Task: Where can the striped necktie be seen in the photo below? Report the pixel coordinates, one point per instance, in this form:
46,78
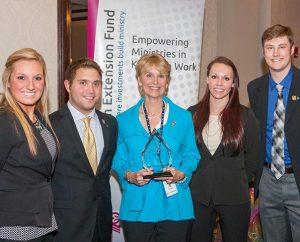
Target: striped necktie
277,152
90,144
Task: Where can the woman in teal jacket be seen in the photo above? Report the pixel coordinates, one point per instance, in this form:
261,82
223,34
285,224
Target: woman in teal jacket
155,209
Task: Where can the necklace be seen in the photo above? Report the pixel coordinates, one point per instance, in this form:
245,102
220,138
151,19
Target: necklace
151,115
38,125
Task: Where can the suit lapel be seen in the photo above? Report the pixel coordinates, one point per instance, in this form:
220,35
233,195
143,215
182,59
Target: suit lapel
294,96
71,131
262,100
106,140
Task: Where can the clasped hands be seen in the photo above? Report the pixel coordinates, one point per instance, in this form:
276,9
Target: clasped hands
137,177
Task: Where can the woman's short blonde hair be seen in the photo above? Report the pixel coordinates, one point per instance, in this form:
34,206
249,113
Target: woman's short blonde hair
155,60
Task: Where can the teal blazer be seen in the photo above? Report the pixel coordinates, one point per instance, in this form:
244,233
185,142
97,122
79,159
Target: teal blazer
149,203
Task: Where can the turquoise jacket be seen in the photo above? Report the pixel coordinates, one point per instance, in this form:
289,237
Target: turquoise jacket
149,203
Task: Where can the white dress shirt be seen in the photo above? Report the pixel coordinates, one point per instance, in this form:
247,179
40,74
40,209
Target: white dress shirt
95,126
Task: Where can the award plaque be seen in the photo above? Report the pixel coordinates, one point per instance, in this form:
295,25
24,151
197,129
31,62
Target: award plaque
157,155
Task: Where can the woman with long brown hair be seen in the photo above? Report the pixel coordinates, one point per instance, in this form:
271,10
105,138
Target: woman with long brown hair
228,140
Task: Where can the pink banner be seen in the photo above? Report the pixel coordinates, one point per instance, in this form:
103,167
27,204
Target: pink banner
92,23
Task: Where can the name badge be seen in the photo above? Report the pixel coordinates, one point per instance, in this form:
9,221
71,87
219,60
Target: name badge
170,189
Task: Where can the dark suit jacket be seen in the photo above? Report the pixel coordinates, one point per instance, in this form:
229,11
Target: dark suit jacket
25,190
222,178
258,91
80,197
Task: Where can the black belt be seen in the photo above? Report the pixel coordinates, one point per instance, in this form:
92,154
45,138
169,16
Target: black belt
287,168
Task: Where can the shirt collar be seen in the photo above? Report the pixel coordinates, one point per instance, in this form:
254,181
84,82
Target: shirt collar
77,115
286,81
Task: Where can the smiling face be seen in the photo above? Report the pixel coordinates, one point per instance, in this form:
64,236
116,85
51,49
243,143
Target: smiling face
278,54
85,90
220,81
153,83
26,83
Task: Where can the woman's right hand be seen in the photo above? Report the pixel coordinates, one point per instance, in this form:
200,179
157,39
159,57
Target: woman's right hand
137,177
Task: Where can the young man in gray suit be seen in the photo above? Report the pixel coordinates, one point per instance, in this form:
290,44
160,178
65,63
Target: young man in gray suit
81,187
275,99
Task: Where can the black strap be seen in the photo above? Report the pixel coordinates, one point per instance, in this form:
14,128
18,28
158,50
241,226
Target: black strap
161,123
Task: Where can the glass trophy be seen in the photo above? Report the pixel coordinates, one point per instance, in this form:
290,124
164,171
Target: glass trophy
157,155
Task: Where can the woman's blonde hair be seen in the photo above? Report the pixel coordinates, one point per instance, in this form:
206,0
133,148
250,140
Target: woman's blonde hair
155,60
152,60
9,103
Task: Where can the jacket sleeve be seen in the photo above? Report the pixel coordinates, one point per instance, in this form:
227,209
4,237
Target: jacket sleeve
252,145
7,138
190,154
120,163
250,94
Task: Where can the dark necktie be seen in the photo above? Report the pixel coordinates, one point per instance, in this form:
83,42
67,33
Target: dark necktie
277,165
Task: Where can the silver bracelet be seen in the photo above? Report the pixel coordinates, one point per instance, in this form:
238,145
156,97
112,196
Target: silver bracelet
182,180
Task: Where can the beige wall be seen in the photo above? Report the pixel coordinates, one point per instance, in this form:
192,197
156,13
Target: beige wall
287,13
79,44
233,28
209,40
31,23
238,23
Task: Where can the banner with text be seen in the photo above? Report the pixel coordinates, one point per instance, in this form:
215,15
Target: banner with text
127,29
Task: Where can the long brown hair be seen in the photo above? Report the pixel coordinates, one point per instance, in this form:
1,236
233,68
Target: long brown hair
231,122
